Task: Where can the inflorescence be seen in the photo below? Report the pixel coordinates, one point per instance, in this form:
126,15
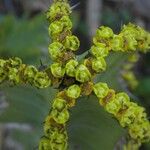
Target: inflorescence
77,77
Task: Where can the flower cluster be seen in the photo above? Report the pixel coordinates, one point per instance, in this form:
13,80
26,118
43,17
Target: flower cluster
63,44
55,122
127,72
16,72
128,113
75,79
131,38
80,75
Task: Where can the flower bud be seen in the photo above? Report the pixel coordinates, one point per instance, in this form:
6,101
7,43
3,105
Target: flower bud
117,43
2,71
130,44
100,50
13,75
58,9
29,73
60,117
55,28
15,62
44,144
59,104
57,70
72,43
66,22
101,90
71,67
134,113
59,146
99,64
55,50
119,102
104,32
83,74
42,80
73,91
130,79
59,137
140,131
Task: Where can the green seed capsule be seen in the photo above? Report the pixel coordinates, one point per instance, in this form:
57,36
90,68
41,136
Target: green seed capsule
101,90
74,91
72,43
55,50
42,80
83,74
100,50
59,104
71,67
57,70
99,64
60,117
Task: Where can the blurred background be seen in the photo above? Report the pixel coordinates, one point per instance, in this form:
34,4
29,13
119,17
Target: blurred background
24,33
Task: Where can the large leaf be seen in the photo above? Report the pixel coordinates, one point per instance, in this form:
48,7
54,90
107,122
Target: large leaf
23,38
90,127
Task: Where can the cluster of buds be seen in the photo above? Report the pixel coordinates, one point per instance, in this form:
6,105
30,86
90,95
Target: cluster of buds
127,72
75,79
14,71
128,113
79,76
55,123
131,38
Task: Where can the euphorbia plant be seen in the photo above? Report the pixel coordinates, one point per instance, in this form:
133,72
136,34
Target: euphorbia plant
75,78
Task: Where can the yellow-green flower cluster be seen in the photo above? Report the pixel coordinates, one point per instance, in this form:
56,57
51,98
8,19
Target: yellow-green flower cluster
16,72
11,70
76,78
55,127
31,75
127,72
100,48
128,113
131,38
63,42
55,123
